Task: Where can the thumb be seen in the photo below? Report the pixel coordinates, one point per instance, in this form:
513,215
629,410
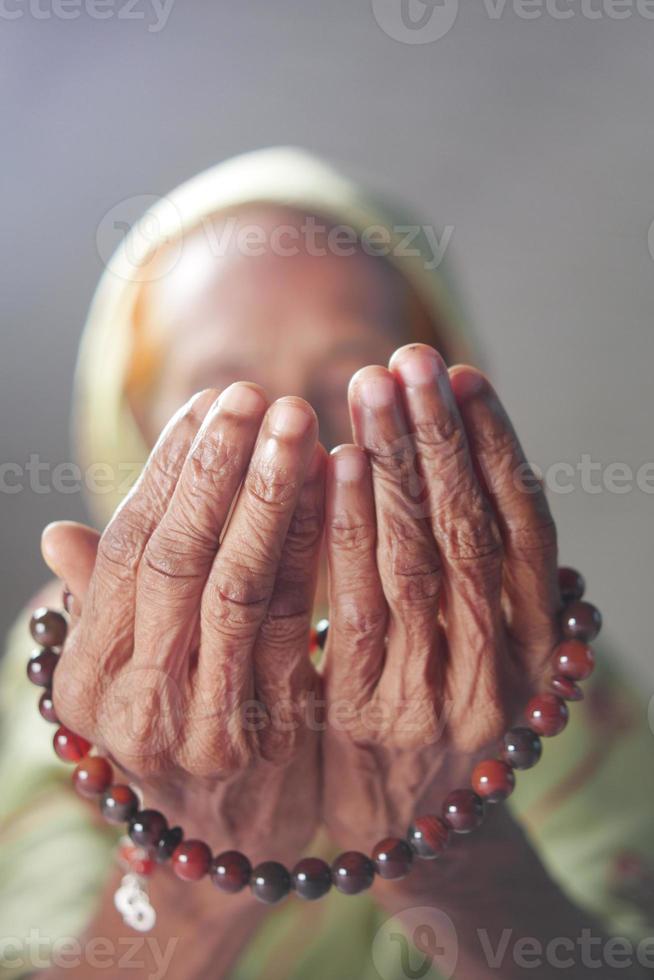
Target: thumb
69,550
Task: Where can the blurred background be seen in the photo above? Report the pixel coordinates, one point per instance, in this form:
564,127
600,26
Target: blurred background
523,133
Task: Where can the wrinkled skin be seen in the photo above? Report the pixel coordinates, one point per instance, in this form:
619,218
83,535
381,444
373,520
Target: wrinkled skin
187,662
434,543
176,634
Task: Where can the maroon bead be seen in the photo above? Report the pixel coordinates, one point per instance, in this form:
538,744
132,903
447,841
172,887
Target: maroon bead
428,836
392,857
493,780
48,627
92,776
47,708
574,660
571,584
41,667
581,621
566,689
312,878
463,811
547,714
119,804
69,746
352,872
270,882
191,860
521,748
147,827
167,844
230,871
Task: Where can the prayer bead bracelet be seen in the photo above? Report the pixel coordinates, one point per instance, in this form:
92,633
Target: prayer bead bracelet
151,841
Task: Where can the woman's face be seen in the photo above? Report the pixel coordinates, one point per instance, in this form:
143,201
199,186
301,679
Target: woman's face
298,324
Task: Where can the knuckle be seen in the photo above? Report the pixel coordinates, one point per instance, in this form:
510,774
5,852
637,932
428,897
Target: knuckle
285,624
357,622
346,535
237,602
529,539
304,532
121,544
271,487
415,571
469,532
212,462
174,553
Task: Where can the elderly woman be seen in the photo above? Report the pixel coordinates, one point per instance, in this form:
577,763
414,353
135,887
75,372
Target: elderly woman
266,312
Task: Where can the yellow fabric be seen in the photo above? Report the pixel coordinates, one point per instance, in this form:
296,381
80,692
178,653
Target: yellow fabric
105,430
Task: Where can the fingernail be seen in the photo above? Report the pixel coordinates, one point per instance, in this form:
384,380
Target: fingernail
467,383
241,399
419,366
349,465
376,390
288,419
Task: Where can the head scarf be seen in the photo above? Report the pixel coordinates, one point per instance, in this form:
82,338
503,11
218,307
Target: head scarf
105,430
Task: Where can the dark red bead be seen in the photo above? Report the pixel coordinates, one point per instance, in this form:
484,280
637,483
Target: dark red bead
312,878
574,659
147,827
521,748
191,860
581,621
41,667
48,627
69,746
230,871
119,804
167,844
270,882
547,714
392,857
493,780
463,811
92,776
47,708
571,584
428,836
566,689
352,872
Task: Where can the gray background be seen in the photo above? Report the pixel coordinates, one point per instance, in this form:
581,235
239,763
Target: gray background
534,139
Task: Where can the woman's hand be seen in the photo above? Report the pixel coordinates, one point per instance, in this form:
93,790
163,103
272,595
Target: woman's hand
187,662
443,592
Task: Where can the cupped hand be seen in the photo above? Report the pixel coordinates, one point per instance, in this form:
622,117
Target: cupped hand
187,657
443,592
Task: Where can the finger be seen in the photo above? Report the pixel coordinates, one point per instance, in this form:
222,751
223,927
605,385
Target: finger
104,640
523,514
240,583
69,550
284,677
180,552
461,520
408,562
358,612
